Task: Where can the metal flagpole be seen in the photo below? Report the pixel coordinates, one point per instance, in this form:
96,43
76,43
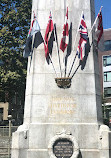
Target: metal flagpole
32,50
65,53
64,8
74,45
64,12
55,35
52,64
90,46
93,25
51,60
72,64
65,69
95,20
75,71
79,61
33,37
77,30
49,54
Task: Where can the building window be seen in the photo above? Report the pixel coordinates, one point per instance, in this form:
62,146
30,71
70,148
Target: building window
107,45
107,92
106,60
107,76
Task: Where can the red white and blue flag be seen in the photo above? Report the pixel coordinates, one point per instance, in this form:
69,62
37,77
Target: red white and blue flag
83,38
48,33
65,38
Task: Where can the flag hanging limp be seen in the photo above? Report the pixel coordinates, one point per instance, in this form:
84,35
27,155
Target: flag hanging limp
98,31
83,38
65,38
34,38
49,36
69,46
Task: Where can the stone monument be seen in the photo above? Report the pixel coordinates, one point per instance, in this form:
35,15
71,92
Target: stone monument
62,122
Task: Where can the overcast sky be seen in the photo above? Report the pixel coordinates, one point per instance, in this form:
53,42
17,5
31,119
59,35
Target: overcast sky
106,11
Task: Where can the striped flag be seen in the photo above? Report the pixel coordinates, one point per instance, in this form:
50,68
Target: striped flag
65,38
34,38
83,38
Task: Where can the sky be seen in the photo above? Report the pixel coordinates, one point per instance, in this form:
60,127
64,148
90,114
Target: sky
106,12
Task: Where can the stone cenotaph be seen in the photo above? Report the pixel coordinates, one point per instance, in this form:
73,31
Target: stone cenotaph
62,122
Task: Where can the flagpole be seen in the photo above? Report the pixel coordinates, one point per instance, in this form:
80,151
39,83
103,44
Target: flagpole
55,35
64,8
65,33
48,53
72,64
65,68
75,71
64,63
33,37
51,60
95,21
32,50
69,49
52,64
94,24
74,45
77,30
65,71
68,30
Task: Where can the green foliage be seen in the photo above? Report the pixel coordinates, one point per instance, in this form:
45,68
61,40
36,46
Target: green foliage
14,25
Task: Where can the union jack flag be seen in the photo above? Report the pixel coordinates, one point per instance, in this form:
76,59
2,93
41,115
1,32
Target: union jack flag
83,38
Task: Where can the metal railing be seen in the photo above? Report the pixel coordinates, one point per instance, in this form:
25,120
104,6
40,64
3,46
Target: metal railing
5,140
4,130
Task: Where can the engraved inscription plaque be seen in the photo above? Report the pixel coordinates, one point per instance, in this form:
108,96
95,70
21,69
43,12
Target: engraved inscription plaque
62,105
63,148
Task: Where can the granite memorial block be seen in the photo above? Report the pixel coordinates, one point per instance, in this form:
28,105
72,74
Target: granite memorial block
62,116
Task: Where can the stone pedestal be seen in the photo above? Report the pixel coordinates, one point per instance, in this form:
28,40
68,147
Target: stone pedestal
52,114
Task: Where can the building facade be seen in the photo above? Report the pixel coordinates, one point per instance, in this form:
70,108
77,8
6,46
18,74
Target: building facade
105,72
3,112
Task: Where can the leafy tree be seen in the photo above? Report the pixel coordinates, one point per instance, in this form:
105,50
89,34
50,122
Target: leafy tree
14,24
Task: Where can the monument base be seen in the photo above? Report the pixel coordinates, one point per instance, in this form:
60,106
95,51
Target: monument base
89,141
